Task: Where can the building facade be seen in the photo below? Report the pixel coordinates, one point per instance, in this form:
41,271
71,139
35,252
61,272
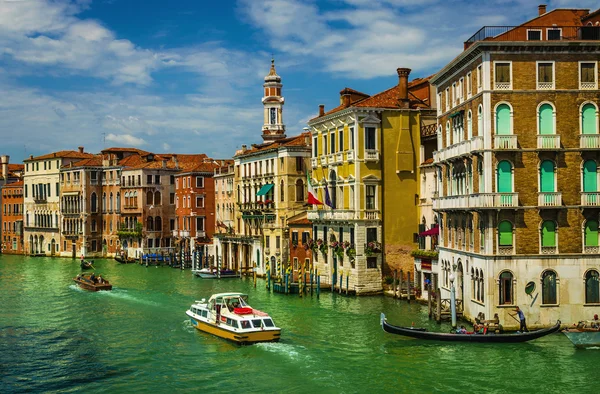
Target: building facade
42,214
365,169
12,218
518,153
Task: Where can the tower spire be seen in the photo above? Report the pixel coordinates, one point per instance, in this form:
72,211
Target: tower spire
273,127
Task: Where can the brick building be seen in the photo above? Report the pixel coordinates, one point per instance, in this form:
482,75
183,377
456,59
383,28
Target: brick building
12,218
517,164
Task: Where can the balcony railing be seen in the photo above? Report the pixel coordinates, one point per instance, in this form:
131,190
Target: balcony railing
545,85
350,156
588,85
591,249
546,199
548,33
371,155
548,141
461,149
339,214
589,141
477,201
339,158
549,250
505,141
506,249
314,162
323,160
371,214
590,199
502,85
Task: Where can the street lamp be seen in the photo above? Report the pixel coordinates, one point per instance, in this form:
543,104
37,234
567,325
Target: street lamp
452,300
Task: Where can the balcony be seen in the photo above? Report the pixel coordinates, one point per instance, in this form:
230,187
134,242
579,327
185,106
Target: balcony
590,199
591,249
339,214
40,199
339,158
323,160
549,250
200,234
508,142
331,158
548,33
461,149
546,199
545,85
506,250
502,86
548,141
588,85
371,214
314,162
350,156
477,201
371,155
589,141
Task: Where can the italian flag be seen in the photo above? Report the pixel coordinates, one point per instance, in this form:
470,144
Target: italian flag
312,196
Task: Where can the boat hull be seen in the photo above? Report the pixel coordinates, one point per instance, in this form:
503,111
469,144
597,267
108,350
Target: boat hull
93,286
583,339
477,338
237,337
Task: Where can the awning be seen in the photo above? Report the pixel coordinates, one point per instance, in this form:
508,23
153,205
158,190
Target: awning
456,114
265,189
434,231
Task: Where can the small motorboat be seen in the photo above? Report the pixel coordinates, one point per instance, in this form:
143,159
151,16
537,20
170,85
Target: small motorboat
469,337
87,265
228,316
213,273
585,334
92,282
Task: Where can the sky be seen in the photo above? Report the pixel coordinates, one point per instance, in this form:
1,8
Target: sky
185,76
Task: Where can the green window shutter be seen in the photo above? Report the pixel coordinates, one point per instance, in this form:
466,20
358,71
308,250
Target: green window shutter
591,233
505,233
548,233
547,177
590,179
503,120
504,177
588,120
546,122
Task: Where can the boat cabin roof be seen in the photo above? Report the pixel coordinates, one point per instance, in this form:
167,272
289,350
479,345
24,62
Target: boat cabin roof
227,295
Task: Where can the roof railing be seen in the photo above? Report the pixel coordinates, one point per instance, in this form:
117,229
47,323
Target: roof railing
535,33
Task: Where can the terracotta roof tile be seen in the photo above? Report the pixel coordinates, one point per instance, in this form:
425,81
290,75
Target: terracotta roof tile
95,161
299,140
66,154
13,184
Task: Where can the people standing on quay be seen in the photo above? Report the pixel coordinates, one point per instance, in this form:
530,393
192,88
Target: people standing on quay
523,326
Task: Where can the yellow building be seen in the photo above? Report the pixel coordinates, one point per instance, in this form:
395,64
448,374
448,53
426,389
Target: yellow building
365,168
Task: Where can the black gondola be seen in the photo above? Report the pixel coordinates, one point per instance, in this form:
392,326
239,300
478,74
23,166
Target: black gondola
121,259
480,338
86,265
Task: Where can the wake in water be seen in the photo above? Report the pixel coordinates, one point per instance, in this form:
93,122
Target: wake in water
295,353
124,295
187,326
76,288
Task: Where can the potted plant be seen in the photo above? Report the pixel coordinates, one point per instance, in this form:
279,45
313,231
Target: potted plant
351,251
322,247
372,248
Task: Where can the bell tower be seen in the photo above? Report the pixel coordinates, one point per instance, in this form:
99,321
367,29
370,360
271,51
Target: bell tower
273,127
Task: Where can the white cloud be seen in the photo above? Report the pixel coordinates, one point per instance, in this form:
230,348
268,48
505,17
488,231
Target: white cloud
125,140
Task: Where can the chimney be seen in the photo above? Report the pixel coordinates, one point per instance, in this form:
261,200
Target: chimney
321,109
164,164
4,159
542,9
403,86
80,149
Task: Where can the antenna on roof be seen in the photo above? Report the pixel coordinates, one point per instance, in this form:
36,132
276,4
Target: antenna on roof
103,140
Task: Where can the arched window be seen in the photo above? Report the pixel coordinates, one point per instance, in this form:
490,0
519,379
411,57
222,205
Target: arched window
469,125
281,191
591,233
480,120
549,291
135,199
94,203
149,198
546,119
548,234
592,290
472,283
150,223
158,223
478,285
480,174
118,202
503,120
589,119
504,177
590,179
448,131
157,198
299,190
547,177
505,294
333,188
110,202
505,233
104,202
482,296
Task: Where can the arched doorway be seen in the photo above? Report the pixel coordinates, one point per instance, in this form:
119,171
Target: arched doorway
52,247
460,281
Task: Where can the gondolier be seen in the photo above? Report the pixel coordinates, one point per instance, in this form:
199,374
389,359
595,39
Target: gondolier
523,326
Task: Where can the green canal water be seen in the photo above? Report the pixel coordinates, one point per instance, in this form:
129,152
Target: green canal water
55,337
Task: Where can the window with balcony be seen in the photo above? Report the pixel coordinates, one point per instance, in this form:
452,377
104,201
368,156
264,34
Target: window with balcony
370,142
592,288
370,196
588,73
506,293
591,235
548,236
590,183
545,75
549,288
503,75
505,234
503,123
547,177
546,120
589,120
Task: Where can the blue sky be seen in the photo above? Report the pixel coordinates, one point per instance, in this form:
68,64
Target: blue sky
186,76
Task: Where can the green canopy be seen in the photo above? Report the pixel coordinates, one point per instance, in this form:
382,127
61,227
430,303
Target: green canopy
265,189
